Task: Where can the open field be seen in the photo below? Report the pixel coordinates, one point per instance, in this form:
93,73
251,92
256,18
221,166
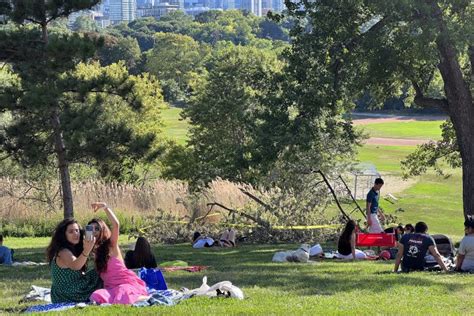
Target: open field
173,126
328,287
404,129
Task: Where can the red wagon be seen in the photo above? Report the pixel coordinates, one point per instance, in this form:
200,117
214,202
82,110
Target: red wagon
375,240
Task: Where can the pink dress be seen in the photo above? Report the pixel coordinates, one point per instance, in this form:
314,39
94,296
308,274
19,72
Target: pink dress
121,285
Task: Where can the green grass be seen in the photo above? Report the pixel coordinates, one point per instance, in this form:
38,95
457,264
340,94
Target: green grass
410,130
433,199
329,287
174,127
436,201
386,158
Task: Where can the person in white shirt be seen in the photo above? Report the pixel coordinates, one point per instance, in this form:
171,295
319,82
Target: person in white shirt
465,257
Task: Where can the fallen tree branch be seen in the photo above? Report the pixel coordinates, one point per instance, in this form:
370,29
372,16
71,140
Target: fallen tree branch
247,216
259,201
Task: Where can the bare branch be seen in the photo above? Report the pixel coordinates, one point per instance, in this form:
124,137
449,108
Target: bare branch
250,217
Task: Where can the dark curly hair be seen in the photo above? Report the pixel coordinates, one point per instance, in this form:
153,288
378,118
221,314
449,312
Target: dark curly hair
60,242
102,245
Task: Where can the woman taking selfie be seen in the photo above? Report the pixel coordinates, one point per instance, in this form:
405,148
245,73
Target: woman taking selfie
67,256
121,285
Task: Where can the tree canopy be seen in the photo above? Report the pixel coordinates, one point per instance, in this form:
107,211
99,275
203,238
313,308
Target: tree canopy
64,105
342,50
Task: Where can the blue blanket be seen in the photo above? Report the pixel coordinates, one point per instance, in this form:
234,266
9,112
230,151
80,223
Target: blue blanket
158,297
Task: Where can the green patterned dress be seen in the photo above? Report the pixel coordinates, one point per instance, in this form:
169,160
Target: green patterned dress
72,286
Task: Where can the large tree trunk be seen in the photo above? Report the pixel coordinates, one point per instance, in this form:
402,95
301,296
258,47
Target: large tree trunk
63,166
60,148
460,108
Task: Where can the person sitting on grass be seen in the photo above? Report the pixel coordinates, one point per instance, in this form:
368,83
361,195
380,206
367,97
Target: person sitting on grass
67,255
227,238
346,243
141,256
121,285
409,229
465,258
412,249
6,254
398,231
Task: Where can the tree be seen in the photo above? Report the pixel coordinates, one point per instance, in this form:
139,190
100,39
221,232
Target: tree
85,23
349,48
175,59
59,103
121,48
223,114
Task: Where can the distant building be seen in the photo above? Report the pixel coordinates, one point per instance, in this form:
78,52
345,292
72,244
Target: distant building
159,10
122,10
253,6
196,10
278,5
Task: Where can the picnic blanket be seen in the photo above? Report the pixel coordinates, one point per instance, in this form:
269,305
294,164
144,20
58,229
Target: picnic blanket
56,307
188,268
37,293
27,263
157,297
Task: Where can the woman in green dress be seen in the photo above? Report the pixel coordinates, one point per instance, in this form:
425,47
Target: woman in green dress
67,255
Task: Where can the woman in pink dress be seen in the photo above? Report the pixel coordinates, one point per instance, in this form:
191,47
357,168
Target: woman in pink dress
121,285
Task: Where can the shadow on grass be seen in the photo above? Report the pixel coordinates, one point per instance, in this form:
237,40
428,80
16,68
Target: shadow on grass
250,267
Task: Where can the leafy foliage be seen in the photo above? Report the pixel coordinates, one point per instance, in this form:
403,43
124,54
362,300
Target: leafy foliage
176,60
224,111
433,154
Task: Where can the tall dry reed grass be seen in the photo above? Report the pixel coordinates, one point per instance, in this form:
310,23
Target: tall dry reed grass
20,201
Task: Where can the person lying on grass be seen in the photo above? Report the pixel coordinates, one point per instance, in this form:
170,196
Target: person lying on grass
412,249
465,258
67,255
227,239
121,285
346,243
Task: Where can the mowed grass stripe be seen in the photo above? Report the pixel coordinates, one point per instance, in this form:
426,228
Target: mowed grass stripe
404,129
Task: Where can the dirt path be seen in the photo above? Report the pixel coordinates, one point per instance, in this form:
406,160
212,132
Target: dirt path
371,118
368,118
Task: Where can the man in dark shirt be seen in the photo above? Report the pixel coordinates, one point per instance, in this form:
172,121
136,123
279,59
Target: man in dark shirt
413,248
373,209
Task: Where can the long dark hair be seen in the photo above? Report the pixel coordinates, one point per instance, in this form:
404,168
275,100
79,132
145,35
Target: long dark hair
102,245
60,242
348,230
142,253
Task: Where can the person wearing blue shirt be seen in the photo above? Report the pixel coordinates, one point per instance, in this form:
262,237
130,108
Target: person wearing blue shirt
373,209
5,253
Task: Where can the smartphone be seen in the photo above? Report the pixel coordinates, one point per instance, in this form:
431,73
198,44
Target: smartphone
89,232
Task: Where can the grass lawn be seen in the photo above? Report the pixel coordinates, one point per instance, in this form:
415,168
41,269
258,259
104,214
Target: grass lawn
409,129
328,287
386,158
433,199
436,201
174,128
